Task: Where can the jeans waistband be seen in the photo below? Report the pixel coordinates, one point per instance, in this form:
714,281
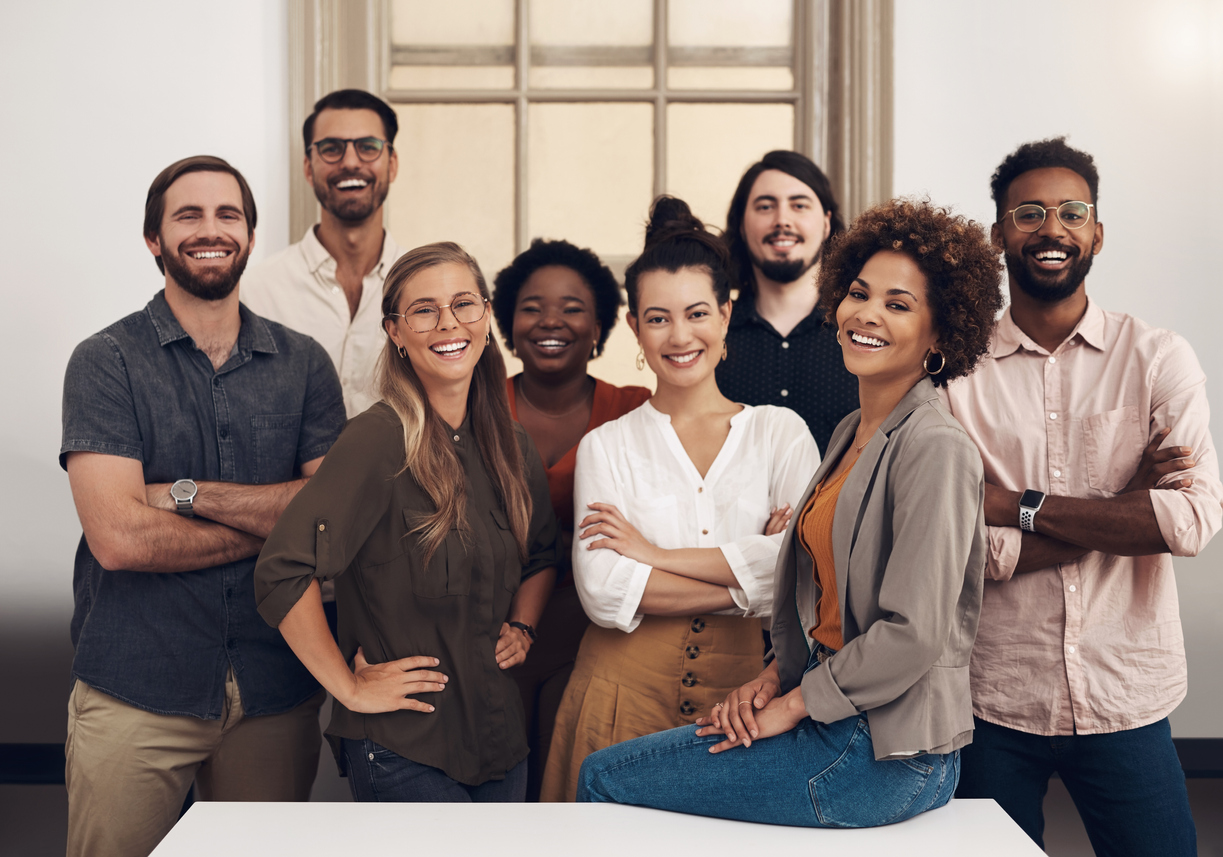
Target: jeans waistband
820,654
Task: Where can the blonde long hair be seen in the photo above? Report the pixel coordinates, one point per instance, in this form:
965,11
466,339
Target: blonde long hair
428,452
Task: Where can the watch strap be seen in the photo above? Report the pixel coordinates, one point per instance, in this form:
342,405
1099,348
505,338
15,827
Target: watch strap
525,628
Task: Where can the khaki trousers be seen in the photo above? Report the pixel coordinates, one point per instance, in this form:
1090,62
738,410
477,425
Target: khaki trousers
129,770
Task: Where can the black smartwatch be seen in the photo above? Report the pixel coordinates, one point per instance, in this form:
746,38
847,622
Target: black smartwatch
183,491
1029,505
525,628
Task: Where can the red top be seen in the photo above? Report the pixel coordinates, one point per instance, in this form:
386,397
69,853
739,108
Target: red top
610,403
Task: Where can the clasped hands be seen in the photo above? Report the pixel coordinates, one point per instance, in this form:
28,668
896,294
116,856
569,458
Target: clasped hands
753,711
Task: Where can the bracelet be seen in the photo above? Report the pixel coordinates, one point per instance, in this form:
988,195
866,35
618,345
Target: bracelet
525,628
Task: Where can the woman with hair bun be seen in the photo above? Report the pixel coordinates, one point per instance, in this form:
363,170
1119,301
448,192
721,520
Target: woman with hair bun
858,719
431,513
680,506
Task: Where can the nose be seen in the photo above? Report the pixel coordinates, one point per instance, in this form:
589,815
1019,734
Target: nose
1052,227
550,319
867,312
350,159
446,319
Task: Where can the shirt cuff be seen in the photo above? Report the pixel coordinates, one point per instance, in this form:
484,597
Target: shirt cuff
822,698
627,618
1005,544
1180,526
753,595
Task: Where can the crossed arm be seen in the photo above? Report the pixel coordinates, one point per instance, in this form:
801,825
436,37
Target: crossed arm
132,526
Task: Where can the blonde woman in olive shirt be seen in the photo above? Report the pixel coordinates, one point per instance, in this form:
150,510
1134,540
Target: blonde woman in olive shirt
431,513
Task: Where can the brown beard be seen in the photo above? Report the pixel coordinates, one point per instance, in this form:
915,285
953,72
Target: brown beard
211,285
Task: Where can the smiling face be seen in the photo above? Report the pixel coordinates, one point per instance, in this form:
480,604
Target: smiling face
448,354
555,329
1051,263
680,326
885,323
204,239
352,190
784,226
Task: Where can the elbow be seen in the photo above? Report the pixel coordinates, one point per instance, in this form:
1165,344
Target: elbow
115,553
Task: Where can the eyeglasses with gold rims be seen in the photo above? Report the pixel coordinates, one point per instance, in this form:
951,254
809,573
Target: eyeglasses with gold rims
466,307
332,149
1072,215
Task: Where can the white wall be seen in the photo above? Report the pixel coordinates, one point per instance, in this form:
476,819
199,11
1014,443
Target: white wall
1140,86
98,98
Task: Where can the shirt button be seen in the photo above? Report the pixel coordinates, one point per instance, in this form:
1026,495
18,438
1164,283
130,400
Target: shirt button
456,438
1070,649
700,489
1057,473
704,532
1073,588
785,345
335,290
785,392
693,652
1052,359
1052,416
224,433
322,527
371,757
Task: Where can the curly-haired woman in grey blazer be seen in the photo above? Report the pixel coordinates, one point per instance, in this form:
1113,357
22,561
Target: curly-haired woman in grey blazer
859,716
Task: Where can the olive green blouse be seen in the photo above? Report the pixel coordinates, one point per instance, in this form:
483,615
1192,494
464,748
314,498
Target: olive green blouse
350,522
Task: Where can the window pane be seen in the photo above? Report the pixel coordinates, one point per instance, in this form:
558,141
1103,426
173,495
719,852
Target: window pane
591,174
583,44
709,146
461,44
456,179
731,77
729,23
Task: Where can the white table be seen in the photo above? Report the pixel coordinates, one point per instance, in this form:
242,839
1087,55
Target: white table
214,829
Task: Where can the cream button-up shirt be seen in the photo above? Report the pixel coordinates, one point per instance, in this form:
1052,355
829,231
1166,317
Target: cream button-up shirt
1094,645
638,464
298,288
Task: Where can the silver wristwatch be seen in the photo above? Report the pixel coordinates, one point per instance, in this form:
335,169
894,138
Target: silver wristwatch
183,492
1029,504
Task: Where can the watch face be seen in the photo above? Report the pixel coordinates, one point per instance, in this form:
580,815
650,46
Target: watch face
183,489
1031,499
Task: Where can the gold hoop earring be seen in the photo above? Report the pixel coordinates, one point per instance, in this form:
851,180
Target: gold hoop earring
640,359
403,352
838,336
925,364
723,350
488,337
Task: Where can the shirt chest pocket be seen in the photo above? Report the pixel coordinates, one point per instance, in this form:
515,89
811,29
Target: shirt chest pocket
448,572
275,439
1113,442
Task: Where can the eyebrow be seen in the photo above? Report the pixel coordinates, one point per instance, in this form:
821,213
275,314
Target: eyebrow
199,209
890,291
771,198
686,309
1041,202
434,300
564,298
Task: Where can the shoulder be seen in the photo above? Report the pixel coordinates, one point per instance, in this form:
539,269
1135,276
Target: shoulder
620,434
289,342
132,331
778,423
930,434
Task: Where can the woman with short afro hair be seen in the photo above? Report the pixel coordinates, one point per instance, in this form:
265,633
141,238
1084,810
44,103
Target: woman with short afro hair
858,719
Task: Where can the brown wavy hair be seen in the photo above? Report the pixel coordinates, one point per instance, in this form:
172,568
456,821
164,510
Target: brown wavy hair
963,273
428,451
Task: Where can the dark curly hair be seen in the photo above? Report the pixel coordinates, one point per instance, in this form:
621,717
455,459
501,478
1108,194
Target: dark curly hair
597,276
963,273
675,238
1038,155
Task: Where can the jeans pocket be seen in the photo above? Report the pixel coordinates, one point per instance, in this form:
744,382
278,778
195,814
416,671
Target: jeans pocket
857,791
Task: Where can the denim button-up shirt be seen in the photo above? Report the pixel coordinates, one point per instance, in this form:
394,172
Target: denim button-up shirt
141,389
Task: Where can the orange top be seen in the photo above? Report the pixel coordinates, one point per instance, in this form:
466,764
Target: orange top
610,402
815,535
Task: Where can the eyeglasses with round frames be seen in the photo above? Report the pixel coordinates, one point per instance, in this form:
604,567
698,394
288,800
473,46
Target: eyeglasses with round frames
467,308
332,149
1072,215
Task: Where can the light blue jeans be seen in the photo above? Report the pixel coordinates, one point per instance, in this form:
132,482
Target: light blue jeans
815,775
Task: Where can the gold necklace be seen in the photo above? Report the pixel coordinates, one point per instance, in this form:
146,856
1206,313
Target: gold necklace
537,409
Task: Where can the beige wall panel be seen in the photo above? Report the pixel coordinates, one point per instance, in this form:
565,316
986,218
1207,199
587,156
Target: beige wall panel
733,23
709,146
454,22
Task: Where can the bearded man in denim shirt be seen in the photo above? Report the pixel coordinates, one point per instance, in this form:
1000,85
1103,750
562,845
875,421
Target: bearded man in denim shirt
188,427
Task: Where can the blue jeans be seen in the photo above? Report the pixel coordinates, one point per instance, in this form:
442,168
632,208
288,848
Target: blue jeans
1128,786
815,775
376,774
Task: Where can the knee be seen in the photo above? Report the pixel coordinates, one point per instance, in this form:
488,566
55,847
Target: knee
591,785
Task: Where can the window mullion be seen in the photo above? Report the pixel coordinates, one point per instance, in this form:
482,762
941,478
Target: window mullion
660,97
521,226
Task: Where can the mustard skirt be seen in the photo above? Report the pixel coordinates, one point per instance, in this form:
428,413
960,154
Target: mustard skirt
668,672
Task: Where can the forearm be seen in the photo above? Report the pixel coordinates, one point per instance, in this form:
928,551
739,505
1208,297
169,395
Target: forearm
251,508
704,564
1124,525
668,594
531,598
1040,551
305,630
157,541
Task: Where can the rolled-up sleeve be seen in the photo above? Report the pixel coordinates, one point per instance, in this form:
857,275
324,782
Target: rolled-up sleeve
325,525
1188,517
609,585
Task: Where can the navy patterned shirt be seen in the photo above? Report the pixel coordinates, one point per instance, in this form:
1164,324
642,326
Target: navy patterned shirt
141,389
803,371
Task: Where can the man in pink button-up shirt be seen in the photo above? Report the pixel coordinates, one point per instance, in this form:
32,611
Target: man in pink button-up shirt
1093,428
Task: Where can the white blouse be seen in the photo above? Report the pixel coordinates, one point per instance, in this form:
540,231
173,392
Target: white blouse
638,465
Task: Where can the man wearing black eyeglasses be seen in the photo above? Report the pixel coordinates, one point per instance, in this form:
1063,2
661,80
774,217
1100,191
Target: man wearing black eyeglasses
1094,430
329,284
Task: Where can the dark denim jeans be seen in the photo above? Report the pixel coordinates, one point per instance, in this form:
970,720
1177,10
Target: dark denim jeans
815,775
1128,786
379,775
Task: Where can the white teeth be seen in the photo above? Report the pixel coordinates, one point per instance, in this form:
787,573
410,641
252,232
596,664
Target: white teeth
683,358
449,347
1051,256
867,340
551,343
352,183
210,254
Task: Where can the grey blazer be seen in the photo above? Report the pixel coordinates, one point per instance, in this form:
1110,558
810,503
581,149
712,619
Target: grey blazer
910,545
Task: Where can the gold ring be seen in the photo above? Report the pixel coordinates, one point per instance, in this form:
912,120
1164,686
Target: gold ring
719,705
746,702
